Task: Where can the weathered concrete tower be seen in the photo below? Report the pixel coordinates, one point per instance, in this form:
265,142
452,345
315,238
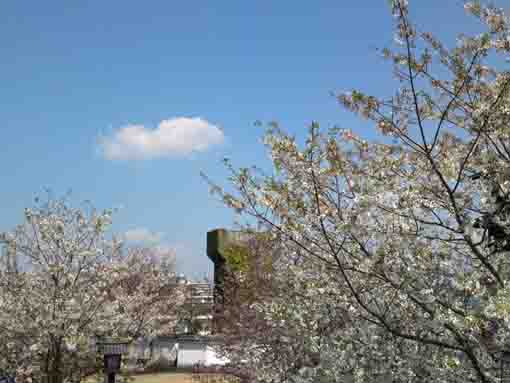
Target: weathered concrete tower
218,242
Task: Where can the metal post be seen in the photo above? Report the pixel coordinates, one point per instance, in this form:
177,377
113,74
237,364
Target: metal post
112,357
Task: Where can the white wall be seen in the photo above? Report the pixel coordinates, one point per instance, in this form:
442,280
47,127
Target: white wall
187,353
190,354
211,359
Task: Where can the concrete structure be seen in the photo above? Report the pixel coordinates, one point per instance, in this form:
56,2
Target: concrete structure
218,241
243,261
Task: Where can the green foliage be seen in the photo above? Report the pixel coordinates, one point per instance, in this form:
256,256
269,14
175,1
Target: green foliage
237,257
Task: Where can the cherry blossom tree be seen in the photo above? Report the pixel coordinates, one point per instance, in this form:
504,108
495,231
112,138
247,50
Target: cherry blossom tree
396,252
64,283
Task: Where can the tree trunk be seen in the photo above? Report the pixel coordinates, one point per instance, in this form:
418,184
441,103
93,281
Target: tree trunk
54,367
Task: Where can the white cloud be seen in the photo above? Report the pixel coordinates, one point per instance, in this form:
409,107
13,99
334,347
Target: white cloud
173,137
142,235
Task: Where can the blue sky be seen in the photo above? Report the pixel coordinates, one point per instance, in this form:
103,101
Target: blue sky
124,103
